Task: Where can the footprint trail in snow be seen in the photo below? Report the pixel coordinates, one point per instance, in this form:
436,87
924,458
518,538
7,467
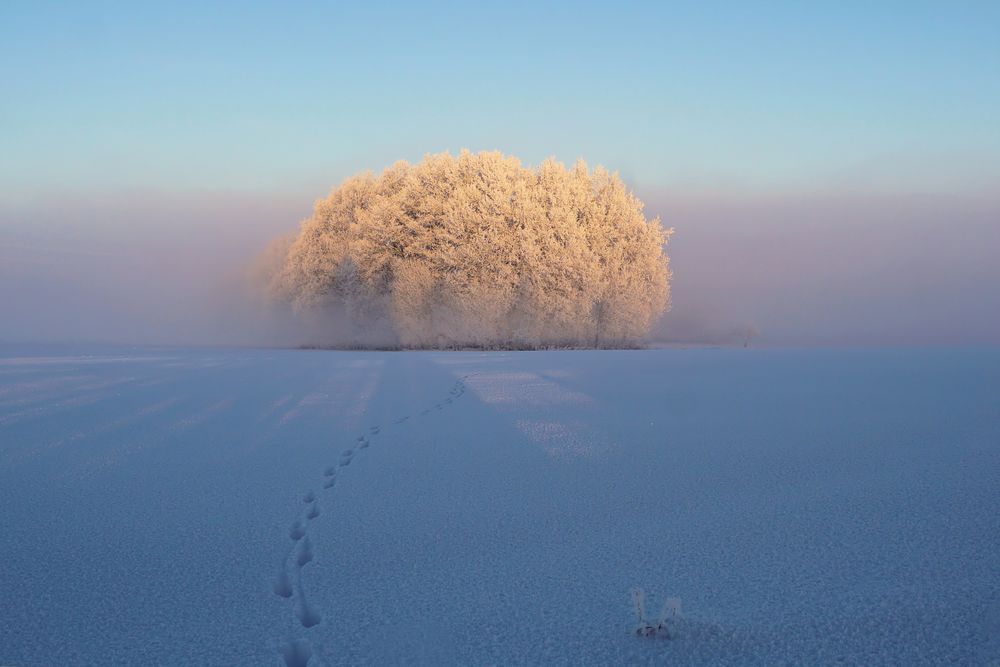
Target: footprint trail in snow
300,651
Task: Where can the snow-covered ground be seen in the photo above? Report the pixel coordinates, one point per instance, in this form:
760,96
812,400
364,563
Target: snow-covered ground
806,506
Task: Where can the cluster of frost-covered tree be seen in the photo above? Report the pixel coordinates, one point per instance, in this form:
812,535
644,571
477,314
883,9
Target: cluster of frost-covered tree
478,250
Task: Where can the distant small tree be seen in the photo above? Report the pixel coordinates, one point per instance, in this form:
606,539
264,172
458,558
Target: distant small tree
749,332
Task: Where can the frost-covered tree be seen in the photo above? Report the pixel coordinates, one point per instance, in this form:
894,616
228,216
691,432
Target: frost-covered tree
478,250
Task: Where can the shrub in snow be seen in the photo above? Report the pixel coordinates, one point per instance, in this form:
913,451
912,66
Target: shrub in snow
669,616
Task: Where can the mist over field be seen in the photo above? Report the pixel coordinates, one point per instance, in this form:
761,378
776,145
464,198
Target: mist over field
139,267
836,268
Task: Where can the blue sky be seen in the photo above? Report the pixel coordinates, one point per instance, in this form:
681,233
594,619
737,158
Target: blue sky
292,98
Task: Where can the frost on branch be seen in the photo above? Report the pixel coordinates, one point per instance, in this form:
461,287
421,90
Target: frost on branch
478,251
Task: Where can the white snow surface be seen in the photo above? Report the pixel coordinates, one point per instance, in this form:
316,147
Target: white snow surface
807,506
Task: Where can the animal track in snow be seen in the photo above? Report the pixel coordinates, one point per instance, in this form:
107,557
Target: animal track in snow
297,532
299,652
283,583
308,616
305,552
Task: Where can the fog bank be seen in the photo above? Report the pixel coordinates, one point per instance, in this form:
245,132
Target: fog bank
144,268
154,268
834,269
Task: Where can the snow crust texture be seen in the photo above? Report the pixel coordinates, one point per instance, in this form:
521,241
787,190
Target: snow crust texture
307,508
